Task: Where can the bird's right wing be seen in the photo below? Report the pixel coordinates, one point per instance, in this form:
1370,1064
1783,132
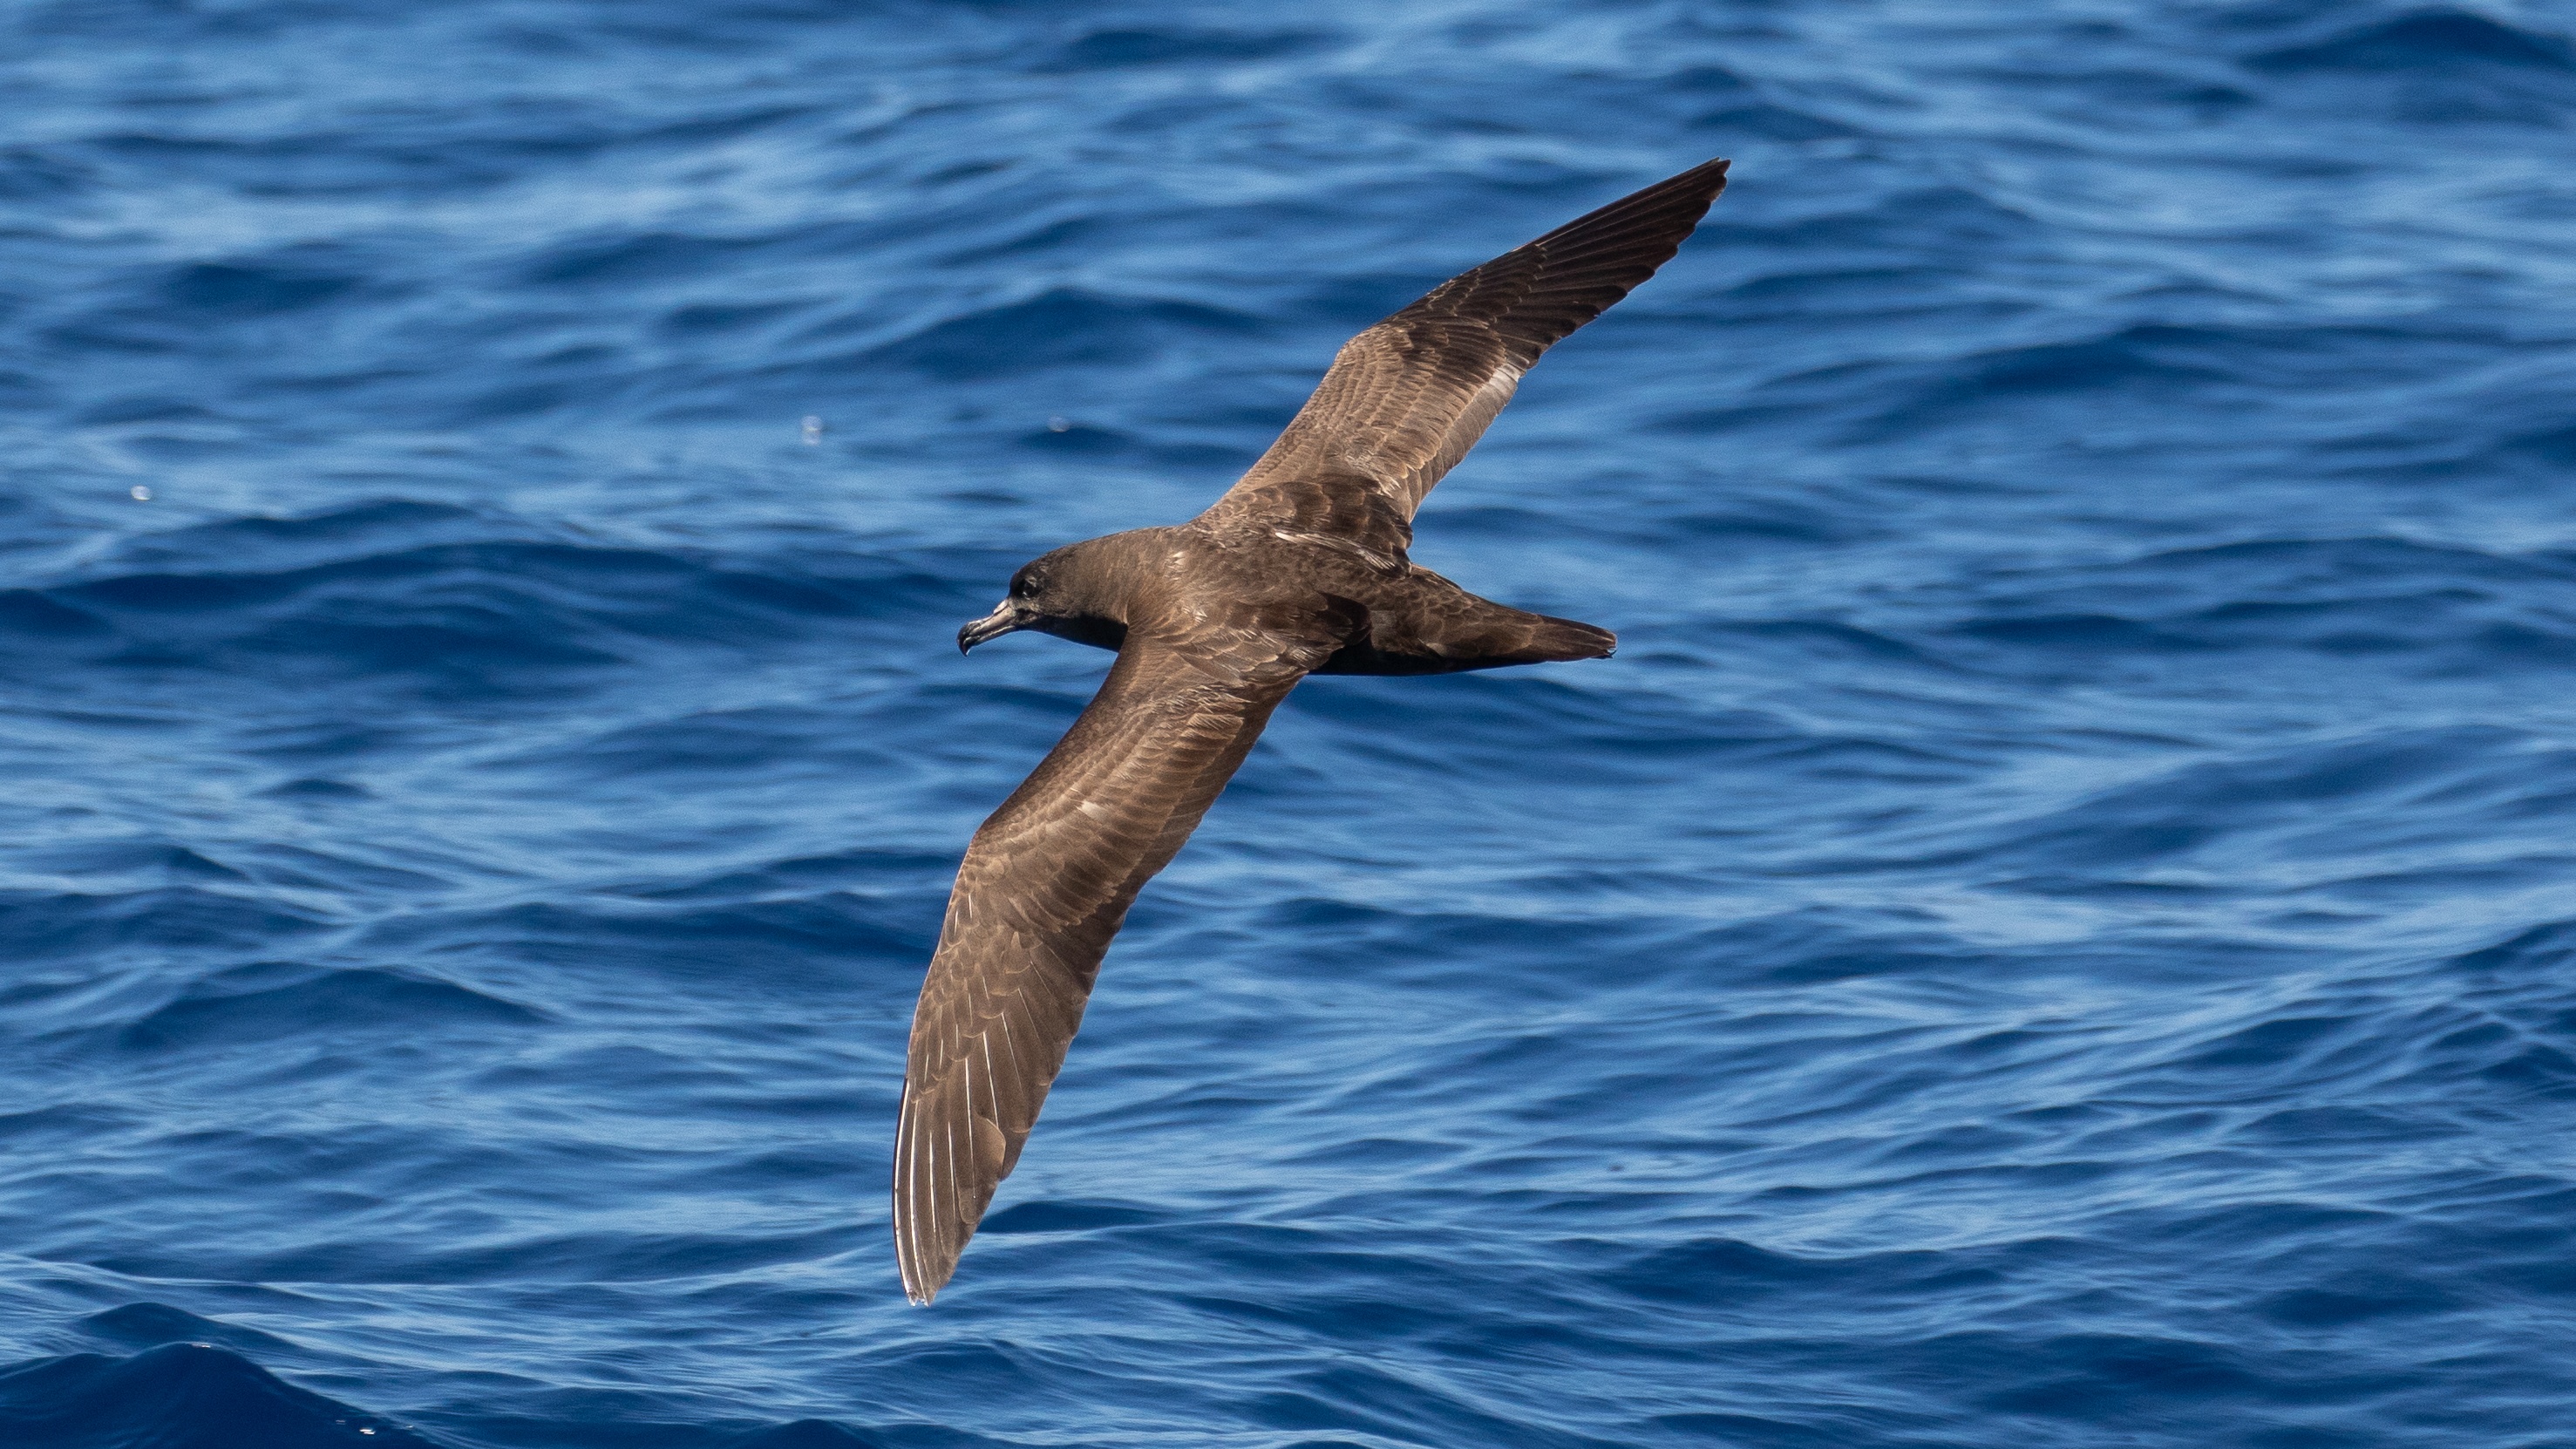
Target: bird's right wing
1406,399
1046,884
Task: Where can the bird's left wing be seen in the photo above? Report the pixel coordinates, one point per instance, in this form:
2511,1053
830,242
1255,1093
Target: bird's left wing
1406,399
1046,884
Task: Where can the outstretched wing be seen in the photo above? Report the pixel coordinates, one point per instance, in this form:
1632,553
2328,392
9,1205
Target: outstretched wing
1406,399
1045,885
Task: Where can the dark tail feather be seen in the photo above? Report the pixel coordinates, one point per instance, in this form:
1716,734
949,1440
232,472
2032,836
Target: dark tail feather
1554,639
1428,625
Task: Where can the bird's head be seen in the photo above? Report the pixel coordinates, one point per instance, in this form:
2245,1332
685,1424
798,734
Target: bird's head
1071,593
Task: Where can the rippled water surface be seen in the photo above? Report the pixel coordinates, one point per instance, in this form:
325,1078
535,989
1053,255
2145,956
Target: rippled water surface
2056,928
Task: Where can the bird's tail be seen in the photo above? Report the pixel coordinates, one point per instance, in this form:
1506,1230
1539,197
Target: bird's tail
1424,624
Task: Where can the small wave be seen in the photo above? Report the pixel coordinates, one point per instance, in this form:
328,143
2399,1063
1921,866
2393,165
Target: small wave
355,528
150,1325
261,288
1723,1270
136,860
2088,1374
179,1396
2540,948
1067,1217
2442,67
725,742
2442,607
1770,122
2427,40
826,934
40,173
1899,227
2160,361
487,615
1055,329
1126,49
806,875
2128,358
41,925
611,1256
249,1005
1814,636
625,259
801,1434
2336,799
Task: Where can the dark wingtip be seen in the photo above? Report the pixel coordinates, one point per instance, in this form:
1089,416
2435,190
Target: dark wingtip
1698,176
921,1280
1706,180
1711,176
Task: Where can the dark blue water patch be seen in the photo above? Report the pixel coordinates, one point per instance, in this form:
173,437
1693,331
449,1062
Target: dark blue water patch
1776,123
248,1005
706,318
34,173
823,935
482,616
1902,225
800,1434
2428,608
2437,67
801,875
1065,1217
182,1396
2425,40
1807,639
668,751
2231,815
1466,725
1057,329
354,529
2537,949
627,259
150,1325
1809,946
265,287
2163,365
583,1258
41,925
1120,49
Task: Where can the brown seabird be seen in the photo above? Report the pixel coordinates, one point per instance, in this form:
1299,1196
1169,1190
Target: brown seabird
1299,569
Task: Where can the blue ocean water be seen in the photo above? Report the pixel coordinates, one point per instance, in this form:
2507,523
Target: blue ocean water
2058,927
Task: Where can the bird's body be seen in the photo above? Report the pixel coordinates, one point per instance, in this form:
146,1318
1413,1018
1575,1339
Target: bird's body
1301,568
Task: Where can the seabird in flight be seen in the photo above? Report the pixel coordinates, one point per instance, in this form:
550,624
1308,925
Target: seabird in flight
1299,569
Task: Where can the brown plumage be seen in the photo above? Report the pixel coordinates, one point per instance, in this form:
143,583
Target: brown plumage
1299,569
